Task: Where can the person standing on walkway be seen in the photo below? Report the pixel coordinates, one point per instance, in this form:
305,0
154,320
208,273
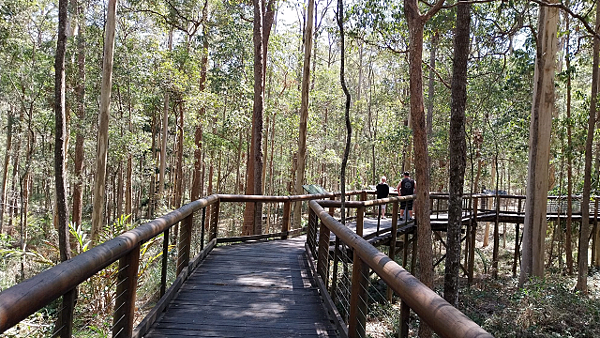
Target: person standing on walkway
383,191
406,187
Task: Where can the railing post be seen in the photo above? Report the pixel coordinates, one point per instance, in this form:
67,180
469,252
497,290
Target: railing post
285,226
185,243
469,225
595,233
165,260
323,256
472,245
311,233
64,323
404,319
358,299
393,240
202,227
125,298
214,221
516,253
360,220
332,209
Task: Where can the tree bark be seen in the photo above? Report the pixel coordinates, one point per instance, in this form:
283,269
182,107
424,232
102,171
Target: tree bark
9,132
165,134
80,138
584,234
416,23
431,87
101,154
340,22
457,151
60,119
569,227
258,108
197,177
308,41
262,30
535,224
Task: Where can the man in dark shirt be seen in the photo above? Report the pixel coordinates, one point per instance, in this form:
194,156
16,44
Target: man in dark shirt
406,187
383,191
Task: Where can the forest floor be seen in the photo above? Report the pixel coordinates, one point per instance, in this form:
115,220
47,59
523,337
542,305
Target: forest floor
542,308
548,307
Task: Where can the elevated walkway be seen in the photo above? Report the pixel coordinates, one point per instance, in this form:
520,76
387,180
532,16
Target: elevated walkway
261,289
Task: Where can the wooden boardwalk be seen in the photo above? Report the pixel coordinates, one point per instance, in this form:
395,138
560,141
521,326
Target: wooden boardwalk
260,289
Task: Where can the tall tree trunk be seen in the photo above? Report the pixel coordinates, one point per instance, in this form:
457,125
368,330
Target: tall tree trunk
9,132
431,87
535,224
584,234
80,138
179,166
197,177
129,173
340,22
60,119
308,41
258,108
416,23
458,151
165,134
152,188
101,154
569,226
262,32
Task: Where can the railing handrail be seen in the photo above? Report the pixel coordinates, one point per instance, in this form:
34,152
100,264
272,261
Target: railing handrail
29,296
23,299
442,317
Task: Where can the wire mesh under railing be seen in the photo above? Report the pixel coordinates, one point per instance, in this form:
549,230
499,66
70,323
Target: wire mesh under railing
381,309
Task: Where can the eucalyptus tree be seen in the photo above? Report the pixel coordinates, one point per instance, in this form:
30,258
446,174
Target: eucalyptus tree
264,12
534,232
584,234
105,97
457,151
416,23
340,22
308,41
79,19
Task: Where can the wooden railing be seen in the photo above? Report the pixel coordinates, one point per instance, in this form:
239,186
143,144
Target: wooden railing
351,249
201,219
24,299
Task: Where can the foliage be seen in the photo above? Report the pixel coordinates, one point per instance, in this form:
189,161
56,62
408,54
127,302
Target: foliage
543,308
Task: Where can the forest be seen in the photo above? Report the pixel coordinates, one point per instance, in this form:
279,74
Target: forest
113,113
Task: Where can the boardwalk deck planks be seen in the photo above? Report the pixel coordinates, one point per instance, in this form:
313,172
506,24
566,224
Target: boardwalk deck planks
248,290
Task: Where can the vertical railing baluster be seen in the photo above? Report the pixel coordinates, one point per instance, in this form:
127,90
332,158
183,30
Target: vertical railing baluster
332,209
323,256
358,298
185,243
404,319
214,222
202,228
64,323
311,236
472,245
360,220
393,240
165,260
516,253
285,222
125,298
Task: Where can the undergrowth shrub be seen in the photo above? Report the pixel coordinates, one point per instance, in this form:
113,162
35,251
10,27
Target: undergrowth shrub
542,308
